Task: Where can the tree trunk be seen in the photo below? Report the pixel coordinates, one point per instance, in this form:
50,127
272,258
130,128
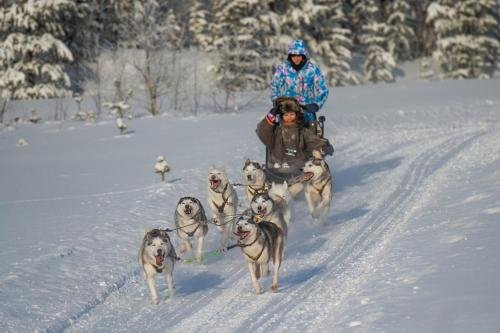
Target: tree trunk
195,85
3,109
151,86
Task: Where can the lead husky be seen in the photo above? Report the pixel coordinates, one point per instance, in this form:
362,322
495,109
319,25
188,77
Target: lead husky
318,188
282,196
191,221
156,255
265,209
223,200
254,179
259,244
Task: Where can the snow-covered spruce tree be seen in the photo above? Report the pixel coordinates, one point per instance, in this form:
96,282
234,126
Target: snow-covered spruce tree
333,42
466,37
360,14
81,35
33,54
271,37
238,41
424,35
198,25
400,31
379,63
299,20
114,17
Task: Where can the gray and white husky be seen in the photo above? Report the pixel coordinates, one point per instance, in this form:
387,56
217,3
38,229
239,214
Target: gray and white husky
191,221
254,178
282,197
260,243
264,209
157,255
222,200
318,188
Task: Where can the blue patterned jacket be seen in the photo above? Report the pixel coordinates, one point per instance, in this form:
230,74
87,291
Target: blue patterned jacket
307,85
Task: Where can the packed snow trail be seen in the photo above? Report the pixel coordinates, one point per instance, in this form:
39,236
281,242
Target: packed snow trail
69,250
330,272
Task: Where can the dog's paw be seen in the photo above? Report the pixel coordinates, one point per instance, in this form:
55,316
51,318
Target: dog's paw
198,260
274,288
258,291
315,214
154,301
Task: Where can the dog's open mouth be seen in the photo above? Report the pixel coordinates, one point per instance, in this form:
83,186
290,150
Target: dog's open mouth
160,257
188,210
308,176
262,211
242,234
214,183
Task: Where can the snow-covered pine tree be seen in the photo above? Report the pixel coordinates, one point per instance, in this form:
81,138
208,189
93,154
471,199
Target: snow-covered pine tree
33,53
400,30
479,27
114,17
238,40
82,32
334,44
360,14
379,63
198,25
466,37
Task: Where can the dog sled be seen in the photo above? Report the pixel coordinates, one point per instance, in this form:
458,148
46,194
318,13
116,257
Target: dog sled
290,174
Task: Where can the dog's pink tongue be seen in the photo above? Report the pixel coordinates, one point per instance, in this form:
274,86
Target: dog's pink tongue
159,260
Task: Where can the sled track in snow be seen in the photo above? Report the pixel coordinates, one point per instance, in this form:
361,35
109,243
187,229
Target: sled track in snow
120,281
372,234
224,299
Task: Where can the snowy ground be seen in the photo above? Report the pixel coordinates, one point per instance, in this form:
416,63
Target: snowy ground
412,242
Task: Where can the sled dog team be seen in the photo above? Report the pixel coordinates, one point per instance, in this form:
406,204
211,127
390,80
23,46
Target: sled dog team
260,230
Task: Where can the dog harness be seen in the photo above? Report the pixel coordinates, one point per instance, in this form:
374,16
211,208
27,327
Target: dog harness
254,190
261,251
190,234
320,190
225,201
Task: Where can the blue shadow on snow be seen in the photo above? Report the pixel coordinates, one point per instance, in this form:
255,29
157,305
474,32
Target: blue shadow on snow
199,282
356,175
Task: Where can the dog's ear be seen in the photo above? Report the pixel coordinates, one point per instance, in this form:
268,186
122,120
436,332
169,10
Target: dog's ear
317,154
247,162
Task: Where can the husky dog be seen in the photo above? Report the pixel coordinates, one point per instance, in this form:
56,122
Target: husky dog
264,209
190,220
223,200
259,244
318,188
282,196
254,178
156,255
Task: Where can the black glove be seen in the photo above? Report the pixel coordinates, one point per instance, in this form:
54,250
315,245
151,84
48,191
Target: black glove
329,150
274,110
313,107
